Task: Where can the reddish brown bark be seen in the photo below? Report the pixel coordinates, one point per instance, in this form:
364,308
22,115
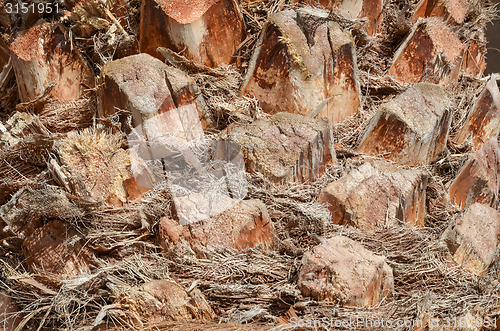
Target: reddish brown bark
453,11
286,146
9,313
55,250
410,129
342,270
6,71
483,122
147,87
245,225
432,52
207,32
473,237
165,300
301,61
474,60
43,56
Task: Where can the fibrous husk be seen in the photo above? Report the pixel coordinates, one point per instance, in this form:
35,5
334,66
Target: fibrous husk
92,165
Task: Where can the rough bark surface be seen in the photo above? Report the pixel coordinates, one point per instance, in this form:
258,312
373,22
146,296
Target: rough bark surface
341,270
42,57
170,165
474,59
21,218
165,300
55,250
302,61
93,165
9,313
453,11
483,122
246,225
479,179
410,129
5,64
472,239
286,146
372,195
207,32
432,52
149,88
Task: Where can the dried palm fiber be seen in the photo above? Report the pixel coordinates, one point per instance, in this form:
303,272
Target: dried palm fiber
255,286
29,207
220,86
24,149
91,164
60,116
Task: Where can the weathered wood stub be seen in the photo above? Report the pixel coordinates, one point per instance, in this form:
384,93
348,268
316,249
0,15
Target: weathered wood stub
342,270
453,11
411,129
472,239
92,165
55,250
205,31
483,122
286,146
351,9
4,16
301,60
28,208
147,87
165,300
373,195
245,225
479,179
474,59
42,57
432,52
